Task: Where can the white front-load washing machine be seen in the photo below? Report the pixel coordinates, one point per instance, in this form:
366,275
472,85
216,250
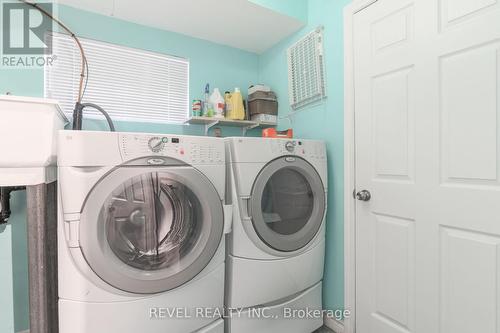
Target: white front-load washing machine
140,233
276,249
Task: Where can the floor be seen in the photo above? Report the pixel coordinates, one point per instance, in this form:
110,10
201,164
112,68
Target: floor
323,329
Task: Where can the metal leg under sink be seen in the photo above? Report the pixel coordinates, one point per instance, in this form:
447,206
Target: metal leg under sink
42,257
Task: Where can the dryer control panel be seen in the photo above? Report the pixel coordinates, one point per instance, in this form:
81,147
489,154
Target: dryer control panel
305,148
263,150
192,150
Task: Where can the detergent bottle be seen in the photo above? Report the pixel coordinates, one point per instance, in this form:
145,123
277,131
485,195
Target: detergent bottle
234,104
229,106
217,102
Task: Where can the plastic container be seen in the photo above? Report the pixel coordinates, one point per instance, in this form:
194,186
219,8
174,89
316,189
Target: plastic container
235,109
229,105
208,110
197,108
217,103
265,118
263,102
258,87
273,133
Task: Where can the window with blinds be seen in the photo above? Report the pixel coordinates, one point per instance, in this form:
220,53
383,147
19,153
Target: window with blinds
130,84
306,73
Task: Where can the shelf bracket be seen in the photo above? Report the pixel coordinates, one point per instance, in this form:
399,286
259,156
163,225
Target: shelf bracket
208,126
247,128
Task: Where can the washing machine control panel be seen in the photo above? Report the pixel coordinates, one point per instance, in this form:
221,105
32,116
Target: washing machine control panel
188,149
203,153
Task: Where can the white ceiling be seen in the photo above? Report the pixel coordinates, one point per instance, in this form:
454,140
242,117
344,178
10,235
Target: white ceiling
237,23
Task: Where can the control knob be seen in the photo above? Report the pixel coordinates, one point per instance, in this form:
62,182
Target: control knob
156,144
290,146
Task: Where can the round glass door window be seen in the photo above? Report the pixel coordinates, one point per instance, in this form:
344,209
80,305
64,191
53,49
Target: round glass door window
153,232
152,222
287,204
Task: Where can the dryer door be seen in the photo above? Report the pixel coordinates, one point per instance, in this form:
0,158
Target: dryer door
287,203
148,230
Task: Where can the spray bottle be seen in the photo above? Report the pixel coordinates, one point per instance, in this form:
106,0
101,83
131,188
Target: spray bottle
206,102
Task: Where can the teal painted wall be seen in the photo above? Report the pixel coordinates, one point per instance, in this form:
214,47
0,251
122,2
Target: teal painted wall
293,8
14,269
324,120
6,282
20,261
222,66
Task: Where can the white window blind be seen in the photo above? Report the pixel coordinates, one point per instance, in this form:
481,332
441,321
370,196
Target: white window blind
306,74
130,84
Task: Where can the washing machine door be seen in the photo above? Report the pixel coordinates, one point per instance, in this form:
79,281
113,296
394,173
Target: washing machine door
151,229
287,203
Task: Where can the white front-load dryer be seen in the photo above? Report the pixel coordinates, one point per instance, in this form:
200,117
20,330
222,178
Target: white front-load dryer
140,233
276,249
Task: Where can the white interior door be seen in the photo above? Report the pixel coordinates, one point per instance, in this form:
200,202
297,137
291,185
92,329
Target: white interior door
427,149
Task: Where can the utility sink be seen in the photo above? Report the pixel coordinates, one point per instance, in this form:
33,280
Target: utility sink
28,132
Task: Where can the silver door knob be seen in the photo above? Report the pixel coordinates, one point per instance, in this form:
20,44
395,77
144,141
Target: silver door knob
363,195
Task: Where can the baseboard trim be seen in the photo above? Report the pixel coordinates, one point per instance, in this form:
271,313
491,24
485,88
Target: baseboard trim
334,325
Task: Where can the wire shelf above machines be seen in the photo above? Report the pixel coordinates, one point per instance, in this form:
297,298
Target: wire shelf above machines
209,122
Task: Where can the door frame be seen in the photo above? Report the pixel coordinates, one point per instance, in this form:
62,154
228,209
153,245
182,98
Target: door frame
350,165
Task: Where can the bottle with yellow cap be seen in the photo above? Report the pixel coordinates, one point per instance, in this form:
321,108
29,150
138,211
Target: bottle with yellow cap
234,105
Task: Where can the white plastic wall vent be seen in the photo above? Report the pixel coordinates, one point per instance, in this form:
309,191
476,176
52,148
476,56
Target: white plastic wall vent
306,73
